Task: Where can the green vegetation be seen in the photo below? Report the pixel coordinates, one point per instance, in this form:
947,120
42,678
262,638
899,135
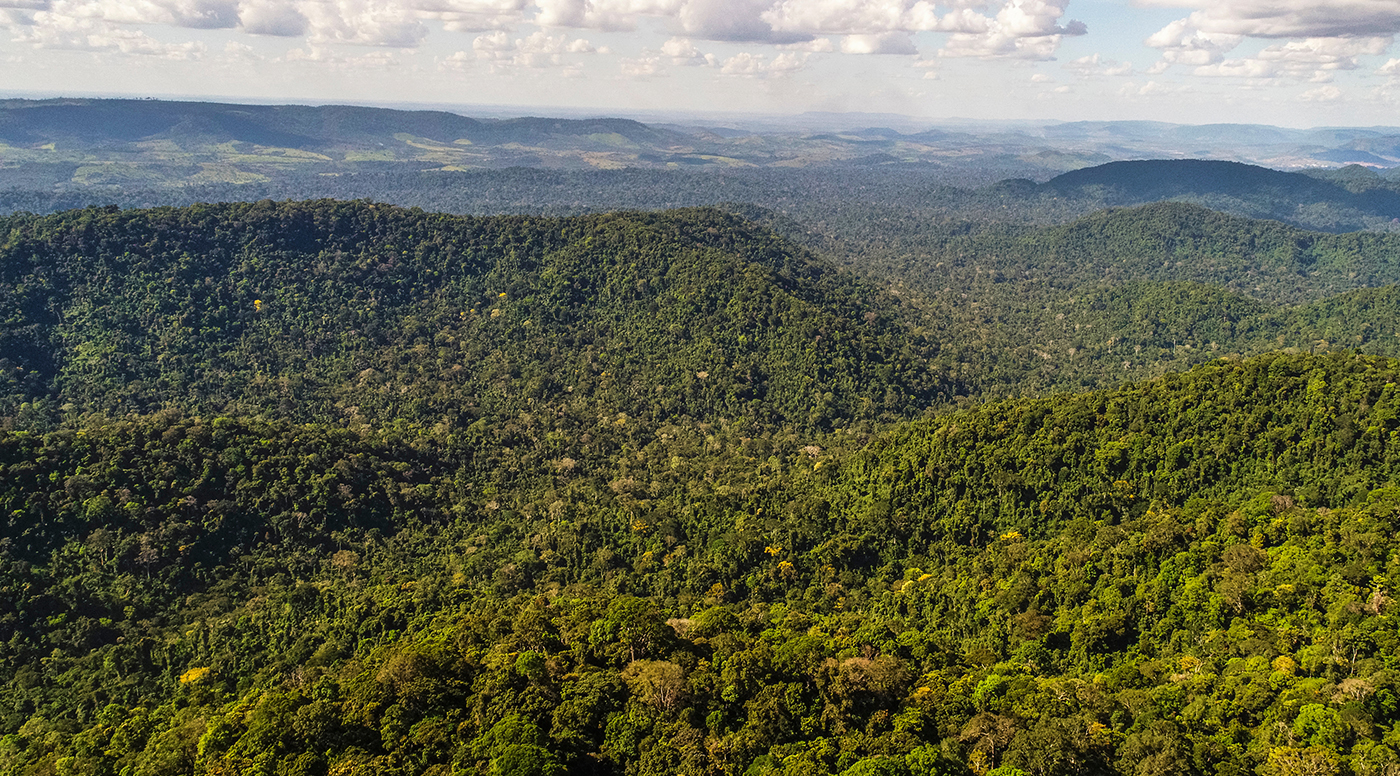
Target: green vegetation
340,488
362,313
1187,575
355,312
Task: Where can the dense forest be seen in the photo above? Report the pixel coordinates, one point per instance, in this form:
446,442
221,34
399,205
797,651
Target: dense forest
313,488
361,313
1189,575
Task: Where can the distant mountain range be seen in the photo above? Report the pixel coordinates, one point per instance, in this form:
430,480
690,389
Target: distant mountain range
321,128
63,144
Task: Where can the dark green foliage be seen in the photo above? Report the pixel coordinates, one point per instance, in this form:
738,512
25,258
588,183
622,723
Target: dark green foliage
1185,575
352,311
1243,189
339,488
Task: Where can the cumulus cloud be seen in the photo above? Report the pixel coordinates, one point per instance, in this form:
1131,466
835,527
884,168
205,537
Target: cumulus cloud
1183,44
326,57
814,46
96,35
851,17
1314,59
1328,35
1022,29
1293,18
390,23
676,51
883,43
988,28
1132,91
736,21
457,61
475,15
602,14
1094,65
199,14
682,51
1322,94
272,18
758,65
538,51
365,23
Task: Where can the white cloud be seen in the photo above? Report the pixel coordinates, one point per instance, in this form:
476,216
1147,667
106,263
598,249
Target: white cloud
988,28
537,51
603,14
1292,18
734,20
883,43
199,14
1313,59
814,46
1183,44
1135,92
457,62
272,18
475,15
233,50
1328,35
641,67
328,57
1022,29
849,17
1322,94
1094,65
1238,68
682,51
364,23
97,35
758,65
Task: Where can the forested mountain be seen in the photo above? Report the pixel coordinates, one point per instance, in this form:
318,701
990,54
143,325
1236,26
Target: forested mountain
1242,189
1189,575
313,488
364,313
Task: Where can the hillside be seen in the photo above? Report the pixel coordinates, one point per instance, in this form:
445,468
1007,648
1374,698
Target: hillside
154,139
303,127
1246,190
358,313
362,313
1187,575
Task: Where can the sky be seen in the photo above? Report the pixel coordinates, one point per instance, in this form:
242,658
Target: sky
1296,63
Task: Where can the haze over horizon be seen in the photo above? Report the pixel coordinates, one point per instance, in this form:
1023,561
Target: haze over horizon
1294,63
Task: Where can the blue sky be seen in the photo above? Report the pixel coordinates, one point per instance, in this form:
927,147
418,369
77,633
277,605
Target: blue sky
1287,62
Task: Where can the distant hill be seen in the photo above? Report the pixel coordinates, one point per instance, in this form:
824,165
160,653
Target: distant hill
1231,187
310,128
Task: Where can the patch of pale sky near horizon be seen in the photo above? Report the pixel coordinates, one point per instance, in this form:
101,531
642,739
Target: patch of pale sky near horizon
265,68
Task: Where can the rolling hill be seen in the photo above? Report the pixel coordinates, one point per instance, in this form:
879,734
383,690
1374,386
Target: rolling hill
1240,189
366,313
